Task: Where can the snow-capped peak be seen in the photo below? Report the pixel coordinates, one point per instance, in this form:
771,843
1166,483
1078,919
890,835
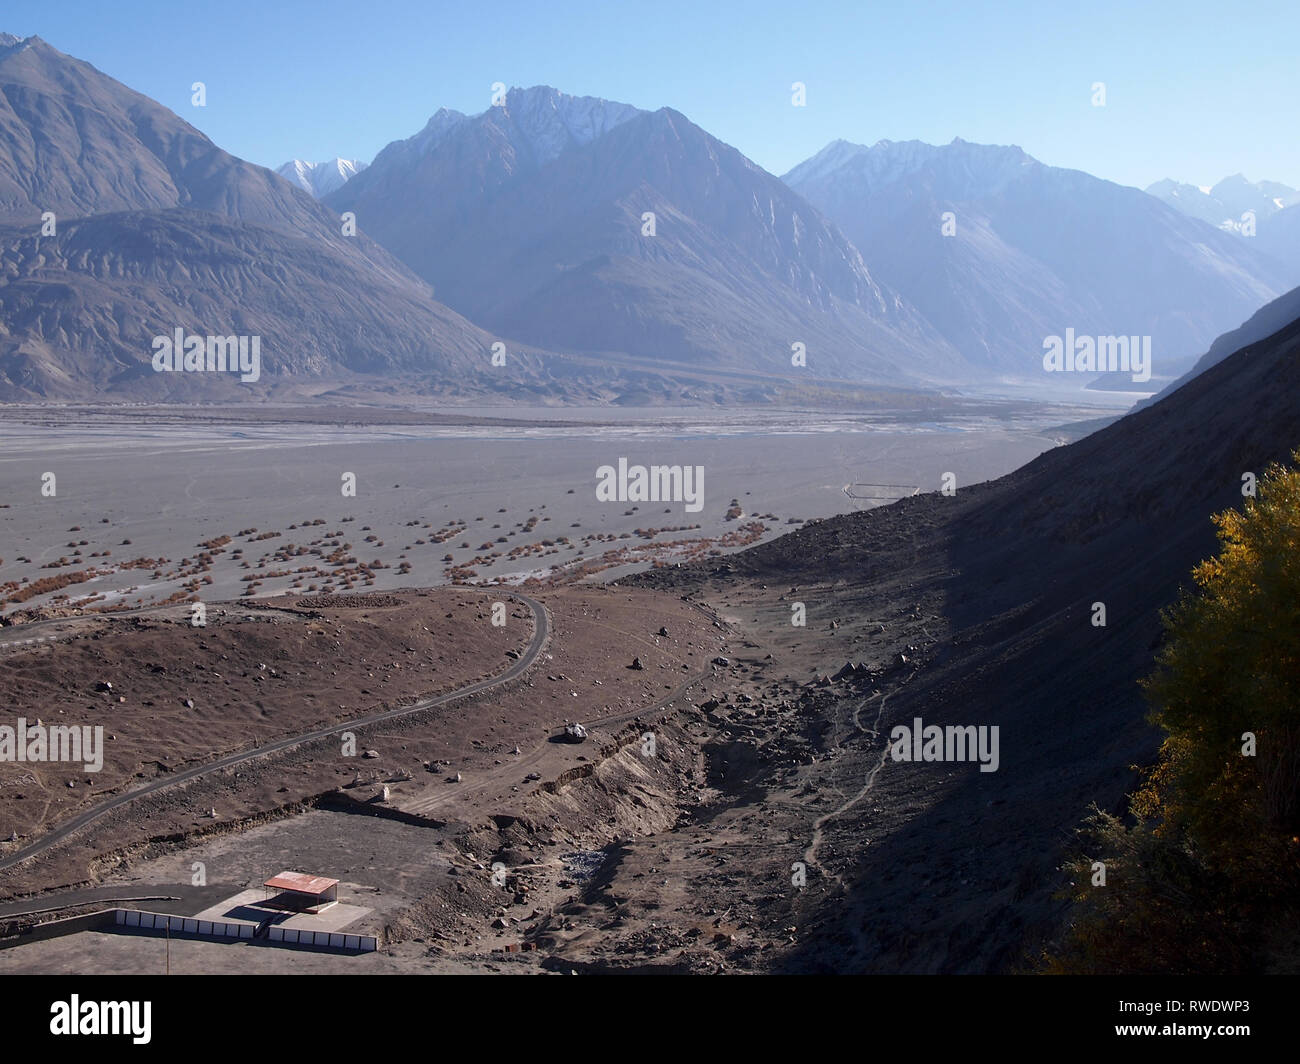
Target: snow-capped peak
320,179
539,122
1225,203
977,168
11,43
545,121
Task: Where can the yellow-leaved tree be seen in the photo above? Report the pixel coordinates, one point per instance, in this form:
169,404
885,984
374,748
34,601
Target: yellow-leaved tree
1227,686
1206,877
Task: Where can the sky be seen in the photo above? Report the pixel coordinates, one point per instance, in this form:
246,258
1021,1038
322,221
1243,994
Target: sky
1194,91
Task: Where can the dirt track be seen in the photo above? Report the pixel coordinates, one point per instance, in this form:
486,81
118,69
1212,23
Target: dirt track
524,662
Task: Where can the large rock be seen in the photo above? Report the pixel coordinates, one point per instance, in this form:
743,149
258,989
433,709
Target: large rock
850,671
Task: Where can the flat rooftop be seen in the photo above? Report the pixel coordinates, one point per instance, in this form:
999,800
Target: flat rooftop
301,883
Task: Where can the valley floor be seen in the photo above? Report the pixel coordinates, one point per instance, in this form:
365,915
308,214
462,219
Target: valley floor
731,810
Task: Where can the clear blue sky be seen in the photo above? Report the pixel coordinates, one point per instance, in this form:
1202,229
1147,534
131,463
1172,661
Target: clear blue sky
1195,90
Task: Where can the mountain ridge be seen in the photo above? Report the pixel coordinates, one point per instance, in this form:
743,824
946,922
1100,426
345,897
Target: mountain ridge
232,243
737,263
999,250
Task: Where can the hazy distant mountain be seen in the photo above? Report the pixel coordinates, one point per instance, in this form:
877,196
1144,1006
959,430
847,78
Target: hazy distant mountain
529,218
1261,325
320,178
633,242
1280,237
537,124
1276,208
157,227
1225,203
1035,250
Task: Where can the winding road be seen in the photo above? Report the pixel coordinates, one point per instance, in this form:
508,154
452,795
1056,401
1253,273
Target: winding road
541,634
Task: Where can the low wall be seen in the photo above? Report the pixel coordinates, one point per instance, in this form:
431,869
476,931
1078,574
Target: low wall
290,936
163,923
326,939
69,925
182,925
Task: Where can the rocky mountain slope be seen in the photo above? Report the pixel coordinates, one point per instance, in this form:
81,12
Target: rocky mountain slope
151,227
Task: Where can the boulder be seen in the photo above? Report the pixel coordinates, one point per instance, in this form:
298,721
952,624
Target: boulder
850,671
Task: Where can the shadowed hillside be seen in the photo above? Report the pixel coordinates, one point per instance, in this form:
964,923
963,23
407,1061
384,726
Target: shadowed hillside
989,597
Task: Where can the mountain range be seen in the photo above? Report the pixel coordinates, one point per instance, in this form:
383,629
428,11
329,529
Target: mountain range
152,227
580,224
1223,204
1030,250
1229,205
616,253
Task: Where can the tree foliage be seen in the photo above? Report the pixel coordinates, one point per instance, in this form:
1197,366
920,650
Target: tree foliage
1230,672
1208,872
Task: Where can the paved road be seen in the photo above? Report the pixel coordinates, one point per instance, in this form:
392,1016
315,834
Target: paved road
541,632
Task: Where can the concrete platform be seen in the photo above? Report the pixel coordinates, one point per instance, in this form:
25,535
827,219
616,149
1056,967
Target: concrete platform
249,906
